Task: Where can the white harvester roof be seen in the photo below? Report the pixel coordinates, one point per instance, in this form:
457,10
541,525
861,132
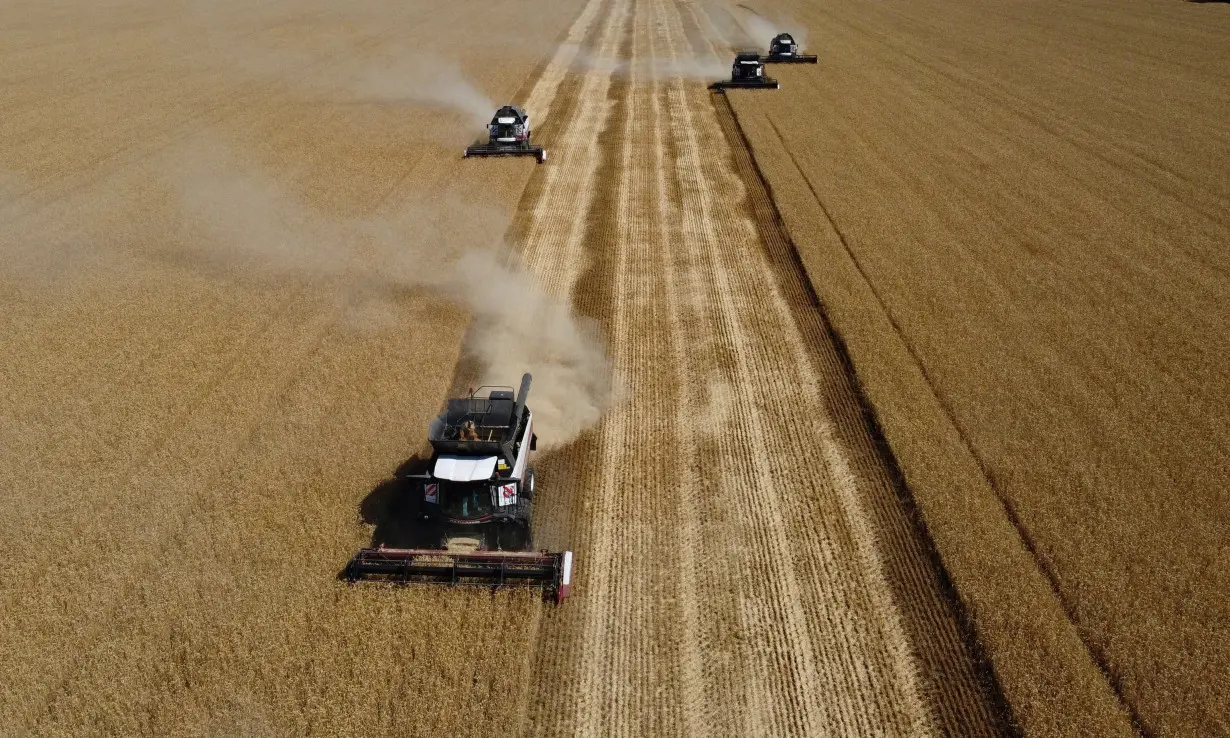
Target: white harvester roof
464,468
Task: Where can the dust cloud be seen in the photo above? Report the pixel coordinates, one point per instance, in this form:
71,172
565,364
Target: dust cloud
206,210
11,187
759,29
754,28
243,226
518,327
319,68
428,81
62,255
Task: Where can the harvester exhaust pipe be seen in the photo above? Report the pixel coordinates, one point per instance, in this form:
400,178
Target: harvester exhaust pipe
522,394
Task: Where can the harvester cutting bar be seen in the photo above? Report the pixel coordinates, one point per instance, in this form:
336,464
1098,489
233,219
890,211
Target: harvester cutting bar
481,568
537,152
763,83
789,59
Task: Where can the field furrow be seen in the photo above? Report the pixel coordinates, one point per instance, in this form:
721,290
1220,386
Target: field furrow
728,536
1016,216
862,403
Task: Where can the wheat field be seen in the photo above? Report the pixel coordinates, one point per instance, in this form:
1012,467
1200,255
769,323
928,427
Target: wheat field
850,394
189,432
1016,215
748,567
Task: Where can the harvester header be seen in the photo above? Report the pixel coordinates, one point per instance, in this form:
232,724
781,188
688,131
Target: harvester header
551,571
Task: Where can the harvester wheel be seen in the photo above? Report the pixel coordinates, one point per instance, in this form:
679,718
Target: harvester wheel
527,487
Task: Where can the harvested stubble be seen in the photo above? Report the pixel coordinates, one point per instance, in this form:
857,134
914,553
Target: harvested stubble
745,564
184,456
1016,216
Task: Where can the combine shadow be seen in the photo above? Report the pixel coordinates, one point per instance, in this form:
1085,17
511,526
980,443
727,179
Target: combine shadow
393,507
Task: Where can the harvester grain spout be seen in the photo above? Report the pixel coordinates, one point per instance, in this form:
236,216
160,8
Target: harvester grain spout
522,395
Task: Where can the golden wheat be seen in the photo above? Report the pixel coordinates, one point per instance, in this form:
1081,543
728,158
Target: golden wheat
1015,216
745,564
186,447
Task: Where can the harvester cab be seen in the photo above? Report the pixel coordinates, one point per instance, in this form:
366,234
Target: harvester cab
746,72
476,499
508,134
783,49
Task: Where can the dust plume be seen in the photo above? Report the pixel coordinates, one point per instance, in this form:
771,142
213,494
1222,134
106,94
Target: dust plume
239,224
392,74
518,327
12,185
428,81
689,68
754,28
759,29
65,254
243,226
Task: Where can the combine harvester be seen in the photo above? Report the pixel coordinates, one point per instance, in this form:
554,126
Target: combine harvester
476,500
746,72
784,50
508,134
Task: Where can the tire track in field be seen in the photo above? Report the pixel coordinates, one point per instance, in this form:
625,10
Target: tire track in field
900,664
707,309
911,594
719,250
553,244
543,97
693,675
729,577
896,570
557,227
918,624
